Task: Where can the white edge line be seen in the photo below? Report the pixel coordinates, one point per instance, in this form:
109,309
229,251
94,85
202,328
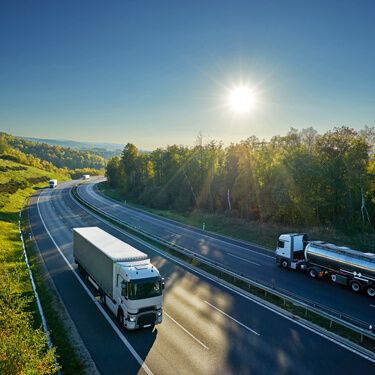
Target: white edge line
321,334
184,329
372,305
245,260
113,325
231,317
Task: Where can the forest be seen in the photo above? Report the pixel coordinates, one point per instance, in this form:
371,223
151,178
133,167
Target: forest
61,157
301,178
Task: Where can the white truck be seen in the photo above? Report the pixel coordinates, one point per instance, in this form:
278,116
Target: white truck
85,177
52,183
343,265
126,281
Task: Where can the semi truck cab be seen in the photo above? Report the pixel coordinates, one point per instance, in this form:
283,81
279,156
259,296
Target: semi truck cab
290,250
138,292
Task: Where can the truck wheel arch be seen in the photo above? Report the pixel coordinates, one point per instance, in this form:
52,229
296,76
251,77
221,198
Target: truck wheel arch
356,286
371,291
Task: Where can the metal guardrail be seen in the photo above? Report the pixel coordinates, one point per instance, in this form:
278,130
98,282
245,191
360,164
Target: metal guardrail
356,325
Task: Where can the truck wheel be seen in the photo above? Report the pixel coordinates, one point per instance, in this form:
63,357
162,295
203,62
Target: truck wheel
370,291
120,318
356,286
313,273
284,263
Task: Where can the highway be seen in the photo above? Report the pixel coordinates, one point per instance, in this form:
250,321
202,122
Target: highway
207,328
245,259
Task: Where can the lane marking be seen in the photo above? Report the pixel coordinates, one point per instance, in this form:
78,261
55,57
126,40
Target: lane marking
245,260
185,330
231,317
224,286
372,305
109,320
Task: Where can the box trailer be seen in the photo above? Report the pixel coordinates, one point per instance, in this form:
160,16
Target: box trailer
127,282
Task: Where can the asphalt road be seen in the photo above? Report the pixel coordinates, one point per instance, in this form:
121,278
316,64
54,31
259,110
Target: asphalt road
245,259
207,328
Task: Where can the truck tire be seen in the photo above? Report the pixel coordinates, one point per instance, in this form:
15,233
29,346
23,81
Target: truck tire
371,291
284,263
120,318
356,286
313,273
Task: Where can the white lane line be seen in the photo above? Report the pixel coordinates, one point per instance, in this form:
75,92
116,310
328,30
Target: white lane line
109,320
372,305
185,330
225,286
245,260
235,320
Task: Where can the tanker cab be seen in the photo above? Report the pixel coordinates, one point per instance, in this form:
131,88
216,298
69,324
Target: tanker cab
290,250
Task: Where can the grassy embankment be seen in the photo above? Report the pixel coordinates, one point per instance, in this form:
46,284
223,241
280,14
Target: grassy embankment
264,234
23,346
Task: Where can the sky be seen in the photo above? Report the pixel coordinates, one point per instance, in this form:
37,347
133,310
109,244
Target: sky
158,72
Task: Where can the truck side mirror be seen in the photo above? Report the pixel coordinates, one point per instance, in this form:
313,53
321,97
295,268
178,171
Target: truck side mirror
162,283
124,289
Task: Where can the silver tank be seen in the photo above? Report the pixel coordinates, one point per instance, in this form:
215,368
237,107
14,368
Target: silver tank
340,258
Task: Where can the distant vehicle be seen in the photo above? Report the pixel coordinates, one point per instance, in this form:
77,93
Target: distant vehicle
52,183
127,282
86,177
343,265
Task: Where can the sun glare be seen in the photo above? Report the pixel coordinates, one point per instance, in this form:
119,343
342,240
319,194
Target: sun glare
241,99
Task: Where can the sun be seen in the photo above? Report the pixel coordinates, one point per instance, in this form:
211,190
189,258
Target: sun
241,99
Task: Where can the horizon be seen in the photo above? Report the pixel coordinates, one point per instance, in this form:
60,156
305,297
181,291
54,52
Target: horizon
159,74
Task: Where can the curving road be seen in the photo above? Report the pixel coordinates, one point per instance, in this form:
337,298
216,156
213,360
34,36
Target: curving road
240,257
207,328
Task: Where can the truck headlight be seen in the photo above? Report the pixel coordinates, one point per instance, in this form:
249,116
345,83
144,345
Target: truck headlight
158,314
131,318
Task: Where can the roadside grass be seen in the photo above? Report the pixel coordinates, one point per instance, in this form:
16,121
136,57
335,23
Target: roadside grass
263,234
52,307
23,345
296,311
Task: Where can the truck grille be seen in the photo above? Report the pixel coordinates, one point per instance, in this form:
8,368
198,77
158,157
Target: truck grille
146,319
144,309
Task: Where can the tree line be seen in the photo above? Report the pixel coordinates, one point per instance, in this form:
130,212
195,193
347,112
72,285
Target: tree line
301,178
61,157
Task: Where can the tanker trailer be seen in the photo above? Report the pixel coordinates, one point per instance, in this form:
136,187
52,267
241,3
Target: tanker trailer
343,265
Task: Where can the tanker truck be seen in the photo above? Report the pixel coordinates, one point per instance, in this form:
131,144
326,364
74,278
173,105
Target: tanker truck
126,281
320,259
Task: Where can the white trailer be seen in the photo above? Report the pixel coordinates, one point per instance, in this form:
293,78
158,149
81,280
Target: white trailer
343,265
127,282
52,183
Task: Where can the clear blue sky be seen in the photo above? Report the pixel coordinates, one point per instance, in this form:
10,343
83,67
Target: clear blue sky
156,72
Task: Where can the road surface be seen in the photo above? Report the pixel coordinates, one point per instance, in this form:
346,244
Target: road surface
244,259
207,328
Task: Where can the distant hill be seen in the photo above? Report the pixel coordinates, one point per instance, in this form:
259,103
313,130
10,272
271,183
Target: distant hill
78,145
61,157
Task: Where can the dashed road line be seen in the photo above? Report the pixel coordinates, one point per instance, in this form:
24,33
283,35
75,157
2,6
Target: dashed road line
235,320
243,259
185,330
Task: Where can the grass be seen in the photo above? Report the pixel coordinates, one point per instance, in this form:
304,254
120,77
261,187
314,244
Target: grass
263,234
18,285
259,292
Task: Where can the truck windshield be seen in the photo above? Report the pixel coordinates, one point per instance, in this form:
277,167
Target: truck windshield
146,288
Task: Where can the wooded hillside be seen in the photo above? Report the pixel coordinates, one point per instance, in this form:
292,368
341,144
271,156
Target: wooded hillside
302,178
